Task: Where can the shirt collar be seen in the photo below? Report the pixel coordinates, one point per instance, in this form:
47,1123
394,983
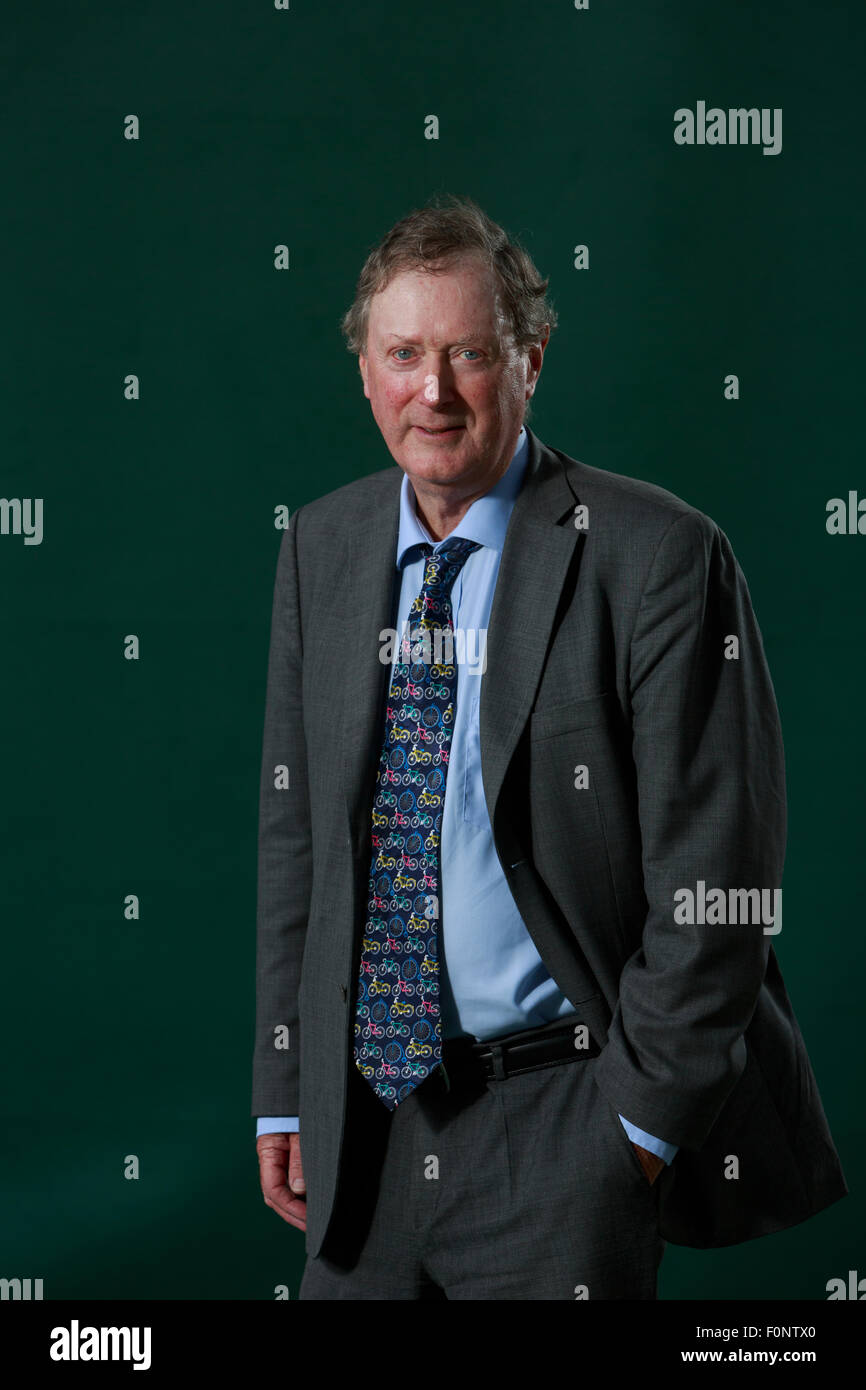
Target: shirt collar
486,521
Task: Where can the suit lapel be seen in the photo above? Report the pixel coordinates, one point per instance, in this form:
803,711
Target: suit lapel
371,574
539,545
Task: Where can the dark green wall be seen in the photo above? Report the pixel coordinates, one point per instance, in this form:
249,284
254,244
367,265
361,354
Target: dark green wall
155,257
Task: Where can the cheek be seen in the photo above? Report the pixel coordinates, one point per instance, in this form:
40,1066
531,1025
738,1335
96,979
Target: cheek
391,396
484,390
509,396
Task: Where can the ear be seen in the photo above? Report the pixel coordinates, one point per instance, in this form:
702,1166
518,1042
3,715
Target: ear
535,354
362,366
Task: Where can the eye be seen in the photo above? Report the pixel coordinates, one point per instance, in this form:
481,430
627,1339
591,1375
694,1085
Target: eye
475,354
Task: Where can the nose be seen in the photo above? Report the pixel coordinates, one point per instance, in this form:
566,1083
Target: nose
431,388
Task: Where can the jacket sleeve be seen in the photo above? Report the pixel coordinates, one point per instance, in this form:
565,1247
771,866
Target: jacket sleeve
284,851
710,775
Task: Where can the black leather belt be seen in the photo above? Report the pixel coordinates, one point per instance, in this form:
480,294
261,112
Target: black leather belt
564,1040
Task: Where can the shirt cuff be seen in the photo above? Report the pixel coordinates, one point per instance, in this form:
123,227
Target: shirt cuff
648,1141
282,1124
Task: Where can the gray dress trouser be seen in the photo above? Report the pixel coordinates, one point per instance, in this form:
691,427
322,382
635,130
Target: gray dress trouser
521,1188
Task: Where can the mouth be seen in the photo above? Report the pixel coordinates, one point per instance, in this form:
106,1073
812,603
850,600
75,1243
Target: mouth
433,434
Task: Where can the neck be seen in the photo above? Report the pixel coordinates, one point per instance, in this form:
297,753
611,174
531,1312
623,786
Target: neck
440,515
441,509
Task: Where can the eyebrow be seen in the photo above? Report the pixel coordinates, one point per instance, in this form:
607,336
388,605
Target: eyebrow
458,342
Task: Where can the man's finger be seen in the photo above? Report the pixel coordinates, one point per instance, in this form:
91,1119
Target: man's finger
296,1172
279,1160
292,1210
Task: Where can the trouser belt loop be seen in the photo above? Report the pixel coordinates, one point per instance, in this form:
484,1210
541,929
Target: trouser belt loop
498,1060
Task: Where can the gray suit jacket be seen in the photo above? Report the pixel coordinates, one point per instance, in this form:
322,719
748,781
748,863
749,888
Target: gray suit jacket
606,648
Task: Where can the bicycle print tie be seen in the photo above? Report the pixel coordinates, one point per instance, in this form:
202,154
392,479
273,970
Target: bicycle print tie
398,1037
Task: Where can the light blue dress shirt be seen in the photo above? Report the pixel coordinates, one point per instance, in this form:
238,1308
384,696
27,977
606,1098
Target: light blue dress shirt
492,980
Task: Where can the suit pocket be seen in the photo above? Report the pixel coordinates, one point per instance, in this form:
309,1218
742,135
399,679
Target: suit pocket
565,718
623,1143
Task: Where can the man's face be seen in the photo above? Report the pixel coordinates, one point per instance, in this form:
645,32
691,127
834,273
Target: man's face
446,386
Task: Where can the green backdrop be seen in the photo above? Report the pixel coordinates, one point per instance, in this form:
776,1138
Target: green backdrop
155,257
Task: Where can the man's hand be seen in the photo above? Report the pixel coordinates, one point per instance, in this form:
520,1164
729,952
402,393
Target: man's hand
282,1178
651,1163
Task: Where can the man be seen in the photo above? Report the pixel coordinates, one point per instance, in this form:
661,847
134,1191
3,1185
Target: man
512,1034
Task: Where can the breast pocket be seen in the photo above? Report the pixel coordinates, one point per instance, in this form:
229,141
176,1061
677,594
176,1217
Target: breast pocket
474,806
571,715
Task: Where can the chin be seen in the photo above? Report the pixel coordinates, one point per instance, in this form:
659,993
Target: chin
424,461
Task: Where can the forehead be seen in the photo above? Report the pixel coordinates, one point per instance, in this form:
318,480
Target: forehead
464,293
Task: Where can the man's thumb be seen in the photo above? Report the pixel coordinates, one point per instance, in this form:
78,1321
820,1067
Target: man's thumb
296,1172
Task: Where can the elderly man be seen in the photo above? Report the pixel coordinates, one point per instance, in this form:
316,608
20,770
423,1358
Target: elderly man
519,1016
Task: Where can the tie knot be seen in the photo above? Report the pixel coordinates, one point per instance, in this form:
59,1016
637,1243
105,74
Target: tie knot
442,567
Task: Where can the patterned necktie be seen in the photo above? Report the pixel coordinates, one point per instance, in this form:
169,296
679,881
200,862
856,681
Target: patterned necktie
398,1037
